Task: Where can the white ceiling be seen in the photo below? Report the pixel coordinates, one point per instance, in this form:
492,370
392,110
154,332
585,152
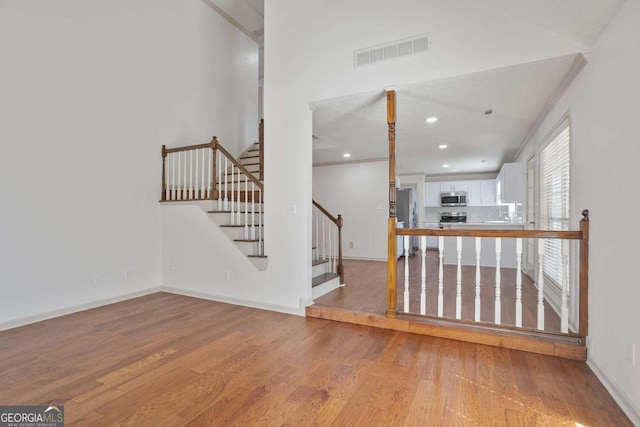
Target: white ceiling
518,94
476,142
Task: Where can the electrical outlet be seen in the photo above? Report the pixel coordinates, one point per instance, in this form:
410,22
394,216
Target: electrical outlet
350,245
227,275
97,279
292,209
127,273
631,354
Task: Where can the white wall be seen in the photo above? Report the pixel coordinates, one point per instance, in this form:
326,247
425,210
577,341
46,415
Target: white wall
359,192
604,106
90,91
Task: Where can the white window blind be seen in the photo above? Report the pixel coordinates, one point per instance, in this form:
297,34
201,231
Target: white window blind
555,185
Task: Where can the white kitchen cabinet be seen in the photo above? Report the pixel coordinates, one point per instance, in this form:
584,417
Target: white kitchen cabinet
510,183
482,193
454,186
432,194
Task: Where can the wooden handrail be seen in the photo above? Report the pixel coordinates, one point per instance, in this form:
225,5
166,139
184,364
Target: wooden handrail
325,212
214,141
532,234
186,148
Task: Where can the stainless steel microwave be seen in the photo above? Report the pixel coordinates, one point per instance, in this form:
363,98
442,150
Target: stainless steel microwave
454,198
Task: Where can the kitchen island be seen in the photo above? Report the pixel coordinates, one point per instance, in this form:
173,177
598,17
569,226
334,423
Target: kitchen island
488,244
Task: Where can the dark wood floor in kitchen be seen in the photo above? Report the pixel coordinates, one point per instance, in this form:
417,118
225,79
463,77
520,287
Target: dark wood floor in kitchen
169,360
366,291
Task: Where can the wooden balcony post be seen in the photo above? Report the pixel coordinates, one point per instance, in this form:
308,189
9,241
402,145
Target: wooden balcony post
164,177
392,221
340,266
261,143
214,188
584,277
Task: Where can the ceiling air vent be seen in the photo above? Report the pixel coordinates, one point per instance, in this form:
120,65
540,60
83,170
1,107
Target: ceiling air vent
388,51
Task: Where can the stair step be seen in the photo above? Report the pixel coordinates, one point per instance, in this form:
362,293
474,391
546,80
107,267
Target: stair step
257,256
319,280
318,261
246,240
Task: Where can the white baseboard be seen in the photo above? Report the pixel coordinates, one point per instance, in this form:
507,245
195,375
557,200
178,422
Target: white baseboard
22,321
364,258
298,311
622,399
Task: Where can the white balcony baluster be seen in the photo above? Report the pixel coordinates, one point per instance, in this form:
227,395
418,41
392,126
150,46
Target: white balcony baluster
564,298
541,244
440,276
406,274
498,304
519,282
459,279
253,211
423,275
477,308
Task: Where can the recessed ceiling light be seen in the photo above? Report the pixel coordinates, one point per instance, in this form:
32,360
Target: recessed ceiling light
346,155
432,119
442,146
445,166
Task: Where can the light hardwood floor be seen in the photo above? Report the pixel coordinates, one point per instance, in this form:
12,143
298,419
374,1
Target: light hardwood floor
169,360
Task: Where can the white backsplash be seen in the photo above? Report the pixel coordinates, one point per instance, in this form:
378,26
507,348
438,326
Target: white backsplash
479,213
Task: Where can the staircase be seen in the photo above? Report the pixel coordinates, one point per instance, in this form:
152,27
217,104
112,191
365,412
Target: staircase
233,191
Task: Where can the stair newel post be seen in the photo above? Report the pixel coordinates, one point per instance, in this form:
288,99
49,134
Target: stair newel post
584,277
164,177
340,266
214,188
261,143
392,221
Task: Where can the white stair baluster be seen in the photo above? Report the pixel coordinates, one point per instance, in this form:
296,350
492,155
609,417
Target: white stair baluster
197,175
498,303
253,211
167,192
541,243
205,163
330,247
246,207
317,241
190,174
224,194
423,275
213,158
406,273
185,191
178,181
440,276
519,282
232,214
564,298
478,251
324,241
173,178
459,279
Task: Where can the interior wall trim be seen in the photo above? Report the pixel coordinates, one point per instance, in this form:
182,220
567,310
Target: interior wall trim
232,21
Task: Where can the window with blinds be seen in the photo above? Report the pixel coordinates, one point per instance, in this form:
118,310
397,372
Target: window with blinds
555,185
